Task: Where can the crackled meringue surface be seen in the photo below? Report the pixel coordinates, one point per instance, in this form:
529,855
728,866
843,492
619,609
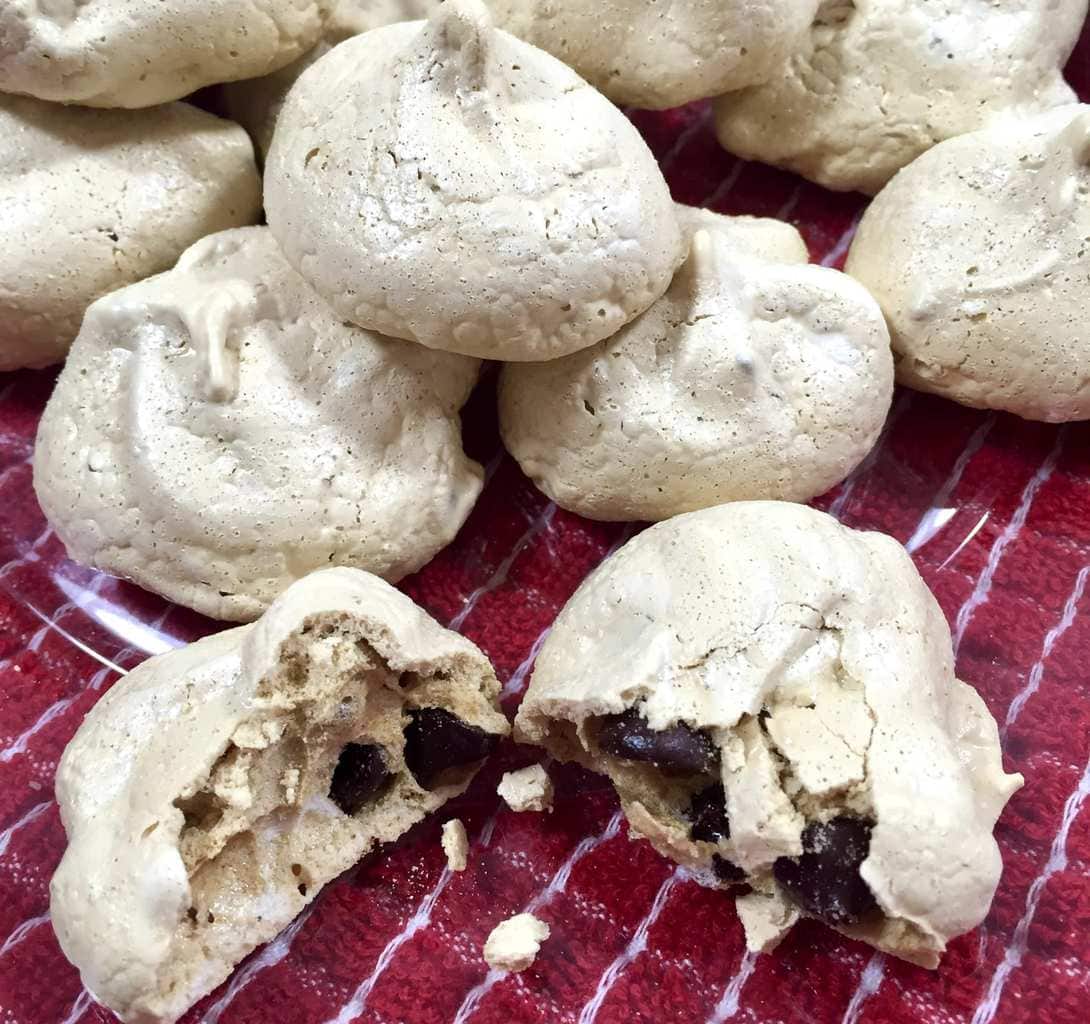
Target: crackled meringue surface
137,53
91,200
194,794
747,379
663,55
444,182
881,81
218,432
978,254
255,103
819,665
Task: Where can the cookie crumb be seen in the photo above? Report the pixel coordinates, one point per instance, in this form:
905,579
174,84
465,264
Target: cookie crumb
766,919
289,782
528,789
513,944
455,844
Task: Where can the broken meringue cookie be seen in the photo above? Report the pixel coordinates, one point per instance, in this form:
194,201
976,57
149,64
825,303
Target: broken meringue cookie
658,56
255,103
978,255
773,697
102,53
880,82
218,432
444,182
91,200
748,379
213,791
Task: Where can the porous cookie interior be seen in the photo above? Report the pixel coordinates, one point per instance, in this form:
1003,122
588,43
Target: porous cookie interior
801,761
340,753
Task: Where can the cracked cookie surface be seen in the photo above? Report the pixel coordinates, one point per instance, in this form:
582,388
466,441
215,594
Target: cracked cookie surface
91,200
255,102
881,81
218,432
213,791
663,55
854,777
444,182
102,53
978,254
752,377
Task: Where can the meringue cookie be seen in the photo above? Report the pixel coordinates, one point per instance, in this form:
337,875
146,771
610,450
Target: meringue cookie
663,55
806,669
217,433
881,81
977,253
102,53
444,182
92,200
213,791
747,379
255,103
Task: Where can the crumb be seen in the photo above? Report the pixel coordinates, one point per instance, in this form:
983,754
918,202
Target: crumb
514,943
528,789
455,844
290,783
766,918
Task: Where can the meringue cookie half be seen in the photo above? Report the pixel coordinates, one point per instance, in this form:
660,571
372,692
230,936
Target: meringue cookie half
213,791
255,103
444,182
881,81
978,254
102,53
218,433
773,697
91,200
750,378
663,55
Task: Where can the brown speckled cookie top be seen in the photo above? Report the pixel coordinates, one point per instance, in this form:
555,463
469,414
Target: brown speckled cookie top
138,53
218,432
444,182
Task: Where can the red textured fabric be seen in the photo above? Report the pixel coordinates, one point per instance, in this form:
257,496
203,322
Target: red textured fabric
997,512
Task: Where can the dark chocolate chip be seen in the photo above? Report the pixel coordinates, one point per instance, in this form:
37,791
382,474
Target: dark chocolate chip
360,773
725,871
436,740
825,880
708,814
679,749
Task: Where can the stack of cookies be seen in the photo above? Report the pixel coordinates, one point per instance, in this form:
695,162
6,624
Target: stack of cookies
258,418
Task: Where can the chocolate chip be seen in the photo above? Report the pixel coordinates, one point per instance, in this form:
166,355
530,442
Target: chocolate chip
436,740
825,880
360,773
708,814
725,871
679,749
